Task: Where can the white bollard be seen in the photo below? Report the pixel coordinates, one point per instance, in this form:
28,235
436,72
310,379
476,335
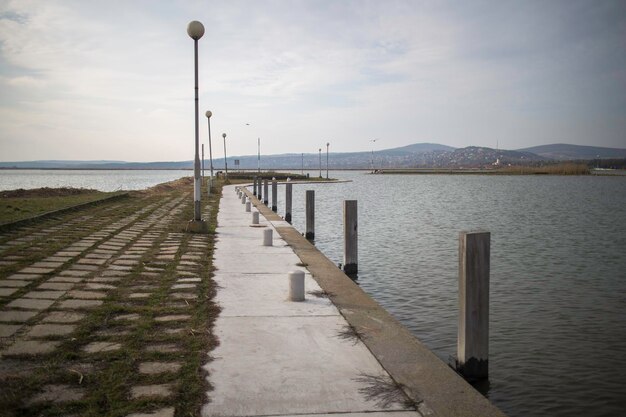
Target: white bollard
248,207
243,198
255,217
267,237
296,286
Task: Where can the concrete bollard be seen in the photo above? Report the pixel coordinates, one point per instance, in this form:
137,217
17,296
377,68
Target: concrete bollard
265,193
274,196
255,217
350,237
310,215
296,286
473,330
267,237
243,198
288,193
248,206
254,185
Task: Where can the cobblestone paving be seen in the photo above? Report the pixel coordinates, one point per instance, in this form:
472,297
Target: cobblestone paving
107,310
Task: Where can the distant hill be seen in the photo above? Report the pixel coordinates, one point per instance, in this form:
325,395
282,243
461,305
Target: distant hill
418,155
565,152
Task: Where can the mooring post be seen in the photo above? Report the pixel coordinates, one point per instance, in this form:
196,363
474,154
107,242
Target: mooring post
259,192
265,193
296,286
473,338
310,214
248,206
350,237
255,217
254,185
288,202
274,196
267,237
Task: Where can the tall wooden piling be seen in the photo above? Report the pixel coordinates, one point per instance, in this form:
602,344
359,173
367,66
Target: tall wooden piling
350,237
265,193
274,195
259,189
254,185
473,336
310,215
288,194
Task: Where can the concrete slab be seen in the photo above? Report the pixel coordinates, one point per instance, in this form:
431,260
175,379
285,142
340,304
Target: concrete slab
262,365
6,292
30,304
18,316
29,347
44,295
266,262
7,330
45,330
266,295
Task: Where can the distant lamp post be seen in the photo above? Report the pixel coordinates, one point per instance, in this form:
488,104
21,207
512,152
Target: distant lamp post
327,145
303,163
208,115
372,163
225,163
320,162
195,30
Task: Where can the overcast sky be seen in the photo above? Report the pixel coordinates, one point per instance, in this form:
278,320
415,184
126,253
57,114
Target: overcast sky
113,80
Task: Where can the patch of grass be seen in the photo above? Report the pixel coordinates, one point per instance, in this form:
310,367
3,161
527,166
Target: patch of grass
19,208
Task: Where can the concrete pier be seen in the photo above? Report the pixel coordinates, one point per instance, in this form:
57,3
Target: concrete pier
335,353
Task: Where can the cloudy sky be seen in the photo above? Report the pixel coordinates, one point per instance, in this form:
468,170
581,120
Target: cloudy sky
94,80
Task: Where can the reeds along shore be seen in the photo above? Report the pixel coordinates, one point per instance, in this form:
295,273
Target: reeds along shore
558,169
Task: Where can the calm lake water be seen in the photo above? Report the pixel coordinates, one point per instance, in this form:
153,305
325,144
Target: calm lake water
558,270
11,179
558,275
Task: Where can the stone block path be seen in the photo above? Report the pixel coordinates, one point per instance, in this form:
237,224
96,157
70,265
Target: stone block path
281,358
106,310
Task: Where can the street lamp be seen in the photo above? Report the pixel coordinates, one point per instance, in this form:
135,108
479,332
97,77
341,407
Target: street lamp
327,145
208,115
320,162
303,163
195,30
373,141
225,163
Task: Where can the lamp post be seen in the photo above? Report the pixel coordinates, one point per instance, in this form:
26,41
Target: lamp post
203,162
327,145
320,162
195,30
373,141
303,163
208,115
225,163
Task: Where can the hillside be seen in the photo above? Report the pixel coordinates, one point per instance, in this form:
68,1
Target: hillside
565,152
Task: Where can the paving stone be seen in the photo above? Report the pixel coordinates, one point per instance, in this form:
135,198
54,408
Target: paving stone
58,394
66,279
30,304
120,268
112,333
13,283
63,317
45,295
71,304
99,347
127,317
33,270
74,273
140,295
29,347
25,276
5,292
91,261
173,317
154,368
174,331
112,273
183,296
96,255
7,330
162,412
105,279
59,286
189,280
44,330
88,268
71,254
43,264
19,316
166,257
96,286
86,295
58,259
183,286
162,390
163,348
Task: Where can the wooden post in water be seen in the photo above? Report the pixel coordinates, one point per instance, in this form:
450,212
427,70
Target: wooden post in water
274,196
265,193
350,237
473,338
259,190
254,185
288,189
310,214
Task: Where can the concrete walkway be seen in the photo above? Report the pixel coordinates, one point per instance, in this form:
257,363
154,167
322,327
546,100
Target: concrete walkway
277,357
